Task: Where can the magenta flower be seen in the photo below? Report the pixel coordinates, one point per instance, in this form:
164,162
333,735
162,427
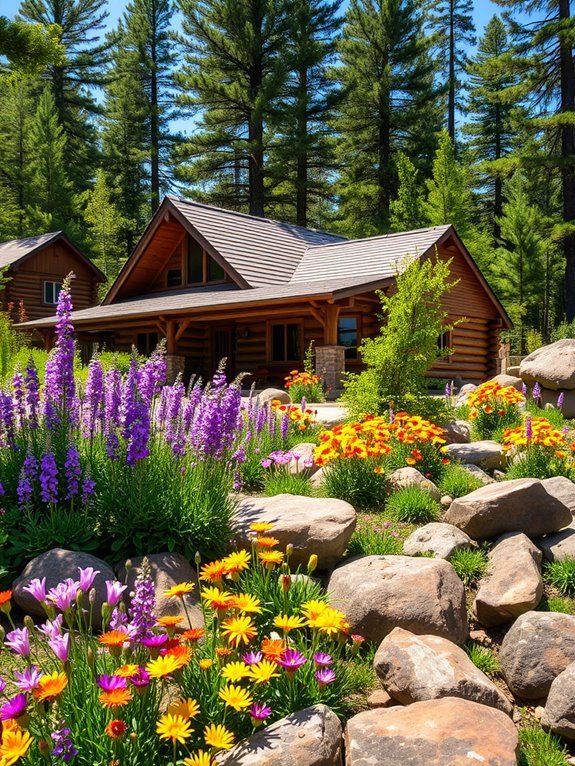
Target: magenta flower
560,400
259,712
252,658
292,660
87,577
322,659
114,590
63,596
325,676
140,678
153,642
2,685
60,645
528,429
14,708
19,641
28,680
108,683
52,629
37,589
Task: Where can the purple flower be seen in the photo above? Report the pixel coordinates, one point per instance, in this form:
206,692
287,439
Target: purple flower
108,683
135,417
25,488
2,685
72,471
528,428
59,386
524,389
448,389
252,658
19,397
32,386
37,589
322,659
19,641
258,712
141,678
114,590
536,391
94,400
303,404
87,577
14,708
88,489
152,642
560,400
325,676
63,745
291,660
142,604
48,478
28,680
391,415
284,426
52,629
60,645
266,463
64,594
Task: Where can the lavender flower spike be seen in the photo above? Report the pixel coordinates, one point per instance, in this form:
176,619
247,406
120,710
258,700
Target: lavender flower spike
560,400
536,392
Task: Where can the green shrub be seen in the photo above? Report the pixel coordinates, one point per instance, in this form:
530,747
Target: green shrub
413,505
484,659
556,604
469,564
280,483
374,542
540,748
355,481
561,574
457,481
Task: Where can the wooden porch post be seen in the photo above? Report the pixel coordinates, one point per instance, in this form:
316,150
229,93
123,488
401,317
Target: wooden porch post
330,325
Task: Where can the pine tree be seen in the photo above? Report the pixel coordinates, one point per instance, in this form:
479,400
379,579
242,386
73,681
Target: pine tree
303,152
28,47
105,228
406,210
451,22
234,71
390,106
73,79
495,91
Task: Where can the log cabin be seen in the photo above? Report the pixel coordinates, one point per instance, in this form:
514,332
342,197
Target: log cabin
217,283
34,269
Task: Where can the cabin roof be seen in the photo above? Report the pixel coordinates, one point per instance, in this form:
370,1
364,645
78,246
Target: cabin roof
16,250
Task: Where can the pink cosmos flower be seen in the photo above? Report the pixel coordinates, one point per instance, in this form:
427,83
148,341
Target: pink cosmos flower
60,645
52,629
28,680
292,660
108,683
37,589
114,590
19,641
325,676
63,596
322,659
87,577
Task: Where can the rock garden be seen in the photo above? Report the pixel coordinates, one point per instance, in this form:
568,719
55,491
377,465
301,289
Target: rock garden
192,576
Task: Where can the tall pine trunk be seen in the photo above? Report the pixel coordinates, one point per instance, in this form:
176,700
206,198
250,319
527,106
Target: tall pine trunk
451,95
154,134
302,158
567,153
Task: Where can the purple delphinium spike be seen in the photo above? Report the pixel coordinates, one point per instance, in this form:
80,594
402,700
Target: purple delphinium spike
32,386
25,487
59,385
536,393
88,488
19,397
7,419
524,389
92,411
64,747
135,418
303,404
72,471
142,604
284,426
48,478
560,400
528,428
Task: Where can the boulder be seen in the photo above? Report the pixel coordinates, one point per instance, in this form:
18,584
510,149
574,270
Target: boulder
513,584
558,546
317,478
57,565
537,647
268,395
411,477
438,538
521,505
505,380
463,393
479,473
312,525
415,668
445,732
310,737
559,712
302,461
380,593
549,400
552,366
486,454
167,570
563,489
457,432
380,698
513,370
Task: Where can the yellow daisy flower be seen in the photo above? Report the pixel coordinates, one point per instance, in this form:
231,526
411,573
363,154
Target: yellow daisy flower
165,665
235,697
127,671
206,663
179,591
288,622
218,737
239,629
270,558
236,562
235,671
187,708
261,526
201,758
15,745
248,604
174,727
263,672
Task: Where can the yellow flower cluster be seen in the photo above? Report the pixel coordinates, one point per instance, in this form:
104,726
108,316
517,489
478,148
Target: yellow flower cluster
491,397
301,379
538,431
302,418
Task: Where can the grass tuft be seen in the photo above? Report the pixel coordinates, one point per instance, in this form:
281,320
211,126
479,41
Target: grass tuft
540,748
412,505
457,481
557,604
282,483
484,659
561,574
469,564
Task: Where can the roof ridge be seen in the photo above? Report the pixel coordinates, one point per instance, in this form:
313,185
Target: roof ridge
32,236
390,235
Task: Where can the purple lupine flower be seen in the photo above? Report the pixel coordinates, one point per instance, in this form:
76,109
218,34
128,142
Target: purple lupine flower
19,641
88,489
114,590
19,396
60,645
119,621
528,428
252,658
325,676
258,712
560,400
53,628
322,659
303,404
135,418
32,385
93,409
291,660
112,410
153,375
524,390
59,385
64,595
87,577
7,419
72,471
284,426
260,420
142,604
48,478
14,708
536,391
238,483
28,474
37,589
108,683
27,681
63,745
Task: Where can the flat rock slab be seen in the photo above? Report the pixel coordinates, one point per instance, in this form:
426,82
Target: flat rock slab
530,506
479,473
312,525
57,565
558,546
513,584
411,477
457,432
537,647
310,737
380,593
486,454
438,538
416,668
552,366
445,732
559,713
169,569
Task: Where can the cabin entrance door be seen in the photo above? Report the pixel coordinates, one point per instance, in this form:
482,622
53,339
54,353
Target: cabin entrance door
224,345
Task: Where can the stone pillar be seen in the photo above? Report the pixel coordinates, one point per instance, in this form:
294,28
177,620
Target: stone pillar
330,365
174,366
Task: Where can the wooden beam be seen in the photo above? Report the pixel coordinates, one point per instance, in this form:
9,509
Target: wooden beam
182,327
318,314
330,326
171,336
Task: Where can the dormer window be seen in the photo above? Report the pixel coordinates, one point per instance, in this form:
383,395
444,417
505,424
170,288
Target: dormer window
202,268
174,278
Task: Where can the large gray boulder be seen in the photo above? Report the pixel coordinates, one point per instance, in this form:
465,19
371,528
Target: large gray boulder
506,380
552,366
444,732
487,454
530,506
558,546
438,538
380,593
309,737
537,647
513,584
269,395
57,565
312,525
302,460
457,432
559,713
411,477
415,668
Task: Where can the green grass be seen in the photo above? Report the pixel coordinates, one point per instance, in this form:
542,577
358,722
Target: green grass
561,574
484,659
470,565
457,481
412,505
361,680
557,604
280,483
540,748
368,542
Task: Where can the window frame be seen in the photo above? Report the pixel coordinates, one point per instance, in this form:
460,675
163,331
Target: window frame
54,284
206,257
174,271
271,323
359,331
441,345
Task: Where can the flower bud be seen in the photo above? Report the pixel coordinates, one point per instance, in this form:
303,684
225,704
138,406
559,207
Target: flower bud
92,596
289,550
198,558
312,563
29,623
90,657
285,580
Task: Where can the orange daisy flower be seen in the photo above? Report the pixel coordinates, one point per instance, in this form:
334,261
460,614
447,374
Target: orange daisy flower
193,635
113,638
215,571
50,686
170,620
5,596
270,558
115,698
116,729
273,648
267,542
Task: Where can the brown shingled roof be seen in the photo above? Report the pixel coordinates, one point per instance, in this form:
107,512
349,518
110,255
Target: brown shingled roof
16,250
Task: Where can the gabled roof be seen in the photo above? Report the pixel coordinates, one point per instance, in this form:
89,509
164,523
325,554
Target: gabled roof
17,250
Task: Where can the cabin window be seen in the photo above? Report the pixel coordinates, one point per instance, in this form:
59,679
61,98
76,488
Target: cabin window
215,271
444,342
51,292
195,263
174,278
146,343
286,342
348,336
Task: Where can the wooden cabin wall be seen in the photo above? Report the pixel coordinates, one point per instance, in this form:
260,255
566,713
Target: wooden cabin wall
51,264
